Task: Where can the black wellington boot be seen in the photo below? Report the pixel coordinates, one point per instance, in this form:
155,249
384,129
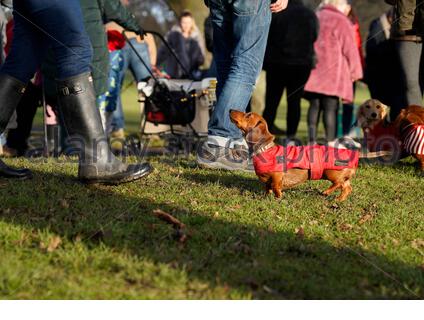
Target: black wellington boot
11,92
83,125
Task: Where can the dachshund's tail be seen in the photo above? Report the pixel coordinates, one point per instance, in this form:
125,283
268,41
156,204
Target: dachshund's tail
373,155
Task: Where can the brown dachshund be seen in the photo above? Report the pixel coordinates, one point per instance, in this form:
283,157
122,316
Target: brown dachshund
281,168
410,126
404,136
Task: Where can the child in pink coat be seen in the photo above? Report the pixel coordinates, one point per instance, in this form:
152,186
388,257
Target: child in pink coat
339,65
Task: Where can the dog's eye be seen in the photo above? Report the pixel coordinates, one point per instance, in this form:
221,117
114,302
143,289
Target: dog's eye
368,106
378,107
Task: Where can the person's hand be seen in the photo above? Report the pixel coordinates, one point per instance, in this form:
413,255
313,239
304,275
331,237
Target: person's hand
279,5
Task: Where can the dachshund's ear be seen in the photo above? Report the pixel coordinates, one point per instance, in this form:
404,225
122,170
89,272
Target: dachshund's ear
385,111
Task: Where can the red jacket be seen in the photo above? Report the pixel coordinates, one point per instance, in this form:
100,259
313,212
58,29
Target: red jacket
314,158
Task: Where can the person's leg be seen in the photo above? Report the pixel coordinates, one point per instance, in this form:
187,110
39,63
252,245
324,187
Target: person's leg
347,118
112,97
17,139
275,83
409,54
76,95
330,105
118,120
313,117
27,51
137,68
296,80
240,34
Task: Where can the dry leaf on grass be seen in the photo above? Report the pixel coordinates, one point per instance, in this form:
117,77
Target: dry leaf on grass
64,203
54,243
346,227
300,233
365,218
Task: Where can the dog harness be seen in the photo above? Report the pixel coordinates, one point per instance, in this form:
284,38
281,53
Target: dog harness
413,141
314,158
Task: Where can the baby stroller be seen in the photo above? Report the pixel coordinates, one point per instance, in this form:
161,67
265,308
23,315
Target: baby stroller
176,110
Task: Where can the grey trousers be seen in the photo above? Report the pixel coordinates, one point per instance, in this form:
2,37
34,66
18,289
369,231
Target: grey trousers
412,72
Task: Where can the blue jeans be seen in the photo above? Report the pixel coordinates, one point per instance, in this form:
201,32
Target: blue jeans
109,100
139,72
44,24
240,35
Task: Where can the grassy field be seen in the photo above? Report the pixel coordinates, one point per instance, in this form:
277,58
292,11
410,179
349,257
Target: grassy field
62,240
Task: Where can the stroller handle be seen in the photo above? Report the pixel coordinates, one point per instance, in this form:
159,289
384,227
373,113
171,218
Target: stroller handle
165,42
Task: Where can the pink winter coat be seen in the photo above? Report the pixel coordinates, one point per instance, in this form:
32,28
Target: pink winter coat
339,63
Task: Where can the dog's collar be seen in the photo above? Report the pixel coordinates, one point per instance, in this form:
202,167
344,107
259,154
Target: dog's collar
263,149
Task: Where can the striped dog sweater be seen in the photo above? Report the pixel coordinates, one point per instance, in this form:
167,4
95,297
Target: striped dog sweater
413,141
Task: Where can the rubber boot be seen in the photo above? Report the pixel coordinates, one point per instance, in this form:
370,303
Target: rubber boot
83,126
11,92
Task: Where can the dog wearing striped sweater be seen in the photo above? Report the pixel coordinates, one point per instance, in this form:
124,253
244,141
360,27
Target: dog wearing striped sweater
402,137
410,126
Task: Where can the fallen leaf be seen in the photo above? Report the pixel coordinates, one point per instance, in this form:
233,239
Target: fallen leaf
64,204
417,243
300,233
346,227
365,218
54,244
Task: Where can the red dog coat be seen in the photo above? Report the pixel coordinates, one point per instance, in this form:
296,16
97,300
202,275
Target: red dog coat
413,141
382,138
315,158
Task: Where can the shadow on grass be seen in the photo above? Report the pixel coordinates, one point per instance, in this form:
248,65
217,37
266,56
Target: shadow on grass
254,260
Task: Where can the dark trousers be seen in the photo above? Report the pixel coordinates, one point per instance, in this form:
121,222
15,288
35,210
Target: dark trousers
348,116
43,24
329,105
411,63
292,78
18,138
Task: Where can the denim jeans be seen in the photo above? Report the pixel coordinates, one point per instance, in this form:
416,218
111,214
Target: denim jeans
108,101
139,72
240,35
43,24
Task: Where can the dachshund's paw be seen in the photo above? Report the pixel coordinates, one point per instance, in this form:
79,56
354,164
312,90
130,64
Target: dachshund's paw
326,193
341,198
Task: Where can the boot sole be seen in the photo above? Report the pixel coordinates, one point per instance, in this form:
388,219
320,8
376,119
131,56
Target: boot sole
111,182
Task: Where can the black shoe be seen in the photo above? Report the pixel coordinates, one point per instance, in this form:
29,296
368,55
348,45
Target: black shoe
10,173
11,92
82,122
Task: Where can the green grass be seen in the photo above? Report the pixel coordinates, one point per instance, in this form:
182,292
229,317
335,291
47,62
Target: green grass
241,245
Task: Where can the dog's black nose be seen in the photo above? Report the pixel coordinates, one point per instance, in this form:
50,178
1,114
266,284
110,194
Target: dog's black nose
374,115
232,110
